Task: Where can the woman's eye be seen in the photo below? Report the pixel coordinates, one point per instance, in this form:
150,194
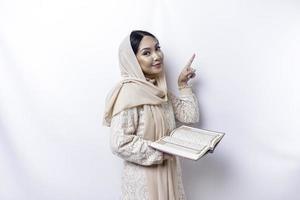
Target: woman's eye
146,53
158,48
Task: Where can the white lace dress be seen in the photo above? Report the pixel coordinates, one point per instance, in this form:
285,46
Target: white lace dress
127,142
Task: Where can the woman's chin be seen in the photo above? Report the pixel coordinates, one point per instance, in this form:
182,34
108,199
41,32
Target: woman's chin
156,69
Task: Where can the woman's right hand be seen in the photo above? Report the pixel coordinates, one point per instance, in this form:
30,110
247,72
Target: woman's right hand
187,73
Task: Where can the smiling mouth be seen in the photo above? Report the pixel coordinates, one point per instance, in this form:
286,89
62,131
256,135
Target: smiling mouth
157,65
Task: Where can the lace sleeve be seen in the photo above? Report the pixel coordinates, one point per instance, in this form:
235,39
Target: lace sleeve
186,106
127,145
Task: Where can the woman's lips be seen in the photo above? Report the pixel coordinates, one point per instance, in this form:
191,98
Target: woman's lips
157,65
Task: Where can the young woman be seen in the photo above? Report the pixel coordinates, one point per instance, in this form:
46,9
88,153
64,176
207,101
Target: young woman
140,110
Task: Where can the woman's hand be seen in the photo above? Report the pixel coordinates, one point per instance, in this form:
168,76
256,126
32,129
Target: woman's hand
187,73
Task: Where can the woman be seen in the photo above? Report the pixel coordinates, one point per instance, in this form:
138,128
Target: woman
140,110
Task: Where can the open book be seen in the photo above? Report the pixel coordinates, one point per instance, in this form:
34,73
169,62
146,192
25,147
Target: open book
188,142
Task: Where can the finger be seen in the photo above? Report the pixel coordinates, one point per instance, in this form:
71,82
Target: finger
190,70
190,61
192,75
189,76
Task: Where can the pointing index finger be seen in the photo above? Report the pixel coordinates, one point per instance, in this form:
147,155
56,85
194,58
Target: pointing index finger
190,60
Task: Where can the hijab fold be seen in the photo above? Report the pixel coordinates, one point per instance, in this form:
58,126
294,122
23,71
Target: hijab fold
132,91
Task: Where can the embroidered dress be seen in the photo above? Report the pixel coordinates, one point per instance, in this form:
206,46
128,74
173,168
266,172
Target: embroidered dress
126,141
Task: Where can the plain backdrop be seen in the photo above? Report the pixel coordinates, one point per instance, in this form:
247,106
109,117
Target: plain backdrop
59,59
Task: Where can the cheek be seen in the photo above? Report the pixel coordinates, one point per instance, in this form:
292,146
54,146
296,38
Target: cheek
145,63
162,55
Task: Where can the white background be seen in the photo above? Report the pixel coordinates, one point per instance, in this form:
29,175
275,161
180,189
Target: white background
58,60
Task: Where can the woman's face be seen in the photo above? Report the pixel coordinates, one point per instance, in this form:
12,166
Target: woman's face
150,57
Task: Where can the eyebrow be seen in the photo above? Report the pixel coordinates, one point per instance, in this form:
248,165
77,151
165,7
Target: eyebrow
148,48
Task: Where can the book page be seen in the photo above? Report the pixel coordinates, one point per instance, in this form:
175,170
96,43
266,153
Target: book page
196,136
182,143
178,147
178,150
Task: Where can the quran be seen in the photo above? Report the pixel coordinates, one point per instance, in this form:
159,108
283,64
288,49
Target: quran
189,142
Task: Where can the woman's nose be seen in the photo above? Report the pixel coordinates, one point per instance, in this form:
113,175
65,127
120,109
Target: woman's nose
156,56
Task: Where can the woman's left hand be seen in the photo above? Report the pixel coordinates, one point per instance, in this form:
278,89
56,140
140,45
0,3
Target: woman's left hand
187,73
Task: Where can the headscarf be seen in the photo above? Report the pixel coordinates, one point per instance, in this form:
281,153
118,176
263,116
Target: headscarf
132,91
